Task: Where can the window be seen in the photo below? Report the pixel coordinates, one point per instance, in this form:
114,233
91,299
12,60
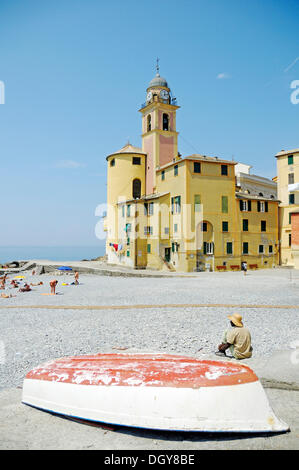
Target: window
112,162
149,123
245,206
204,227
270,249
163,175
148,248
175,228
165,122
224,204
136,188
128,228
290,239
291,198
128,210
261,249
245,225
229,248
174,247
224,170
166,230
290,218
128,241
122,211
148,230
263,226
245,248
176,205
196,203
224,226
291,178
262,206
196,167
290,160
136,161
151,208
176,170
208,248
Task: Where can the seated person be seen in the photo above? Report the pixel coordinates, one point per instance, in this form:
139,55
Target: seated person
237,339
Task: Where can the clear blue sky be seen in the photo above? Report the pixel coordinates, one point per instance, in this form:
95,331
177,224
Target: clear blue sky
75,75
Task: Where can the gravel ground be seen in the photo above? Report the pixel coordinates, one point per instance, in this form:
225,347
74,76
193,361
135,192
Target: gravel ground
23,427
29,337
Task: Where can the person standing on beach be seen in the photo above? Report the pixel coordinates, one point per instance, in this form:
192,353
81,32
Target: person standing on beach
3,280
76,278
237,339
53,285
244,267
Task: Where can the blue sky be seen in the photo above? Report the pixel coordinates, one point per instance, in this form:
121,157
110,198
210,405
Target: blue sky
75,74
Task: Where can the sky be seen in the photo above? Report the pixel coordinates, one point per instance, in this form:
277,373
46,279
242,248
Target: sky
75,74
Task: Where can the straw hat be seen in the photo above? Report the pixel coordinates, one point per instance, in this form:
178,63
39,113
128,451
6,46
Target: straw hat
236,319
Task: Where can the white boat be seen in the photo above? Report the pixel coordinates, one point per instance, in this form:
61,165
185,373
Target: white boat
153,391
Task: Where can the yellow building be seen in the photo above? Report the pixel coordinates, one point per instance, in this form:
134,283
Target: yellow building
288,194
189,213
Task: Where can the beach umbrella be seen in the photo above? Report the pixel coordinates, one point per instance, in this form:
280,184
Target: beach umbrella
19,277
65,268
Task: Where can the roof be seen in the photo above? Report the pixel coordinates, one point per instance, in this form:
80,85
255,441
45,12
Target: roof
158,81
241,195
197,157
127,149
286,152
145,197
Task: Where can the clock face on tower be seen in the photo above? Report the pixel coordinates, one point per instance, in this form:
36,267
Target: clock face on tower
149,95
164,94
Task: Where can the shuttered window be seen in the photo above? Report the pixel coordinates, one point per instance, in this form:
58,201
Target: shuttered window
196,203
224,204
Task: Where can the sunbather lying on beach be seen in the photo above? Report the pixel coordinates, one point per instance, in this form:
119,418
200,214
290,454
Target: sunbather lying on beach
26,288
39,284
7,296
14,283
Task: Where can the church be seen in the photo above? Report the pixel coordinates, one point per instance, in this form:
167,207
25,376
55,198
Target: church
166,211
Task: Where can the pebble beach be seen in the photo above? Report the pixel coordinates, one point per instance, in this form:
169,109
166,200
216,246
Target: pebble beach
144,314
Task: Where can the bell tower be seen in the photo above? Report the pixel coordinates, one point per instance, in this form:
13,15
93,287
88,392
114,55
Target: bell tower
159,135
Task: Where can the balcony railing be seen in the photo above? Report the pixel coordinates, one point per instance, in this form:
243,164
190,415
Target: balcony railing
171,101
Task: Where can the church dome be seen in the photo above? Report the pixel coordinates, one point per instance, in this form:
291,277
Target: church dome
158,81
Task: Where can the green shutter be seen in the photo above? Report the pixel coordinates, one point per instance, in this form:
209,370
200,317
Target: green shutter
196,203
224,204
224,226
229,248
148,248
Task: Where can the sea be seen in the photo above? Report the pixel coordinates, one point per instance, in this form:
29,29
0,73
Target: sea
52,253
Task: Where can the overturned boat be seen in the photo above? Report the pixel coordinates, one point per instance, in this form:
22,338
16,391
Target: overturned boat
153,391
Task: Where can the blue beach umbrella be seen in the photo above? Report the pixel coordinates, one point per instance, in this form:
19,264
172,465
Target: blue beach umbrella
65,268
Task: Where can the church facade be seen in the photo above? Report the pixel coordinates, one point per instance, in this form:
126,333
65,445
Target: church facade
188,213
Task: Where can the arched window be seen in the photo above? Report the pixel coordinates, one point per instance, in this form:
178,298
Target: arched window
136,188
149,123
165,122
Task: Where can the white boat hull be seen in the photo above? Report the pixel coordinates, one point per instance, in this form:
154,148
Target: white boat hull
240,407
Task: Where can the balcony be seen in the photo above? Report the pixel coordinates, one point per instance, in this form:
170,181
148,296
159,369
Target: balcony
156,99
